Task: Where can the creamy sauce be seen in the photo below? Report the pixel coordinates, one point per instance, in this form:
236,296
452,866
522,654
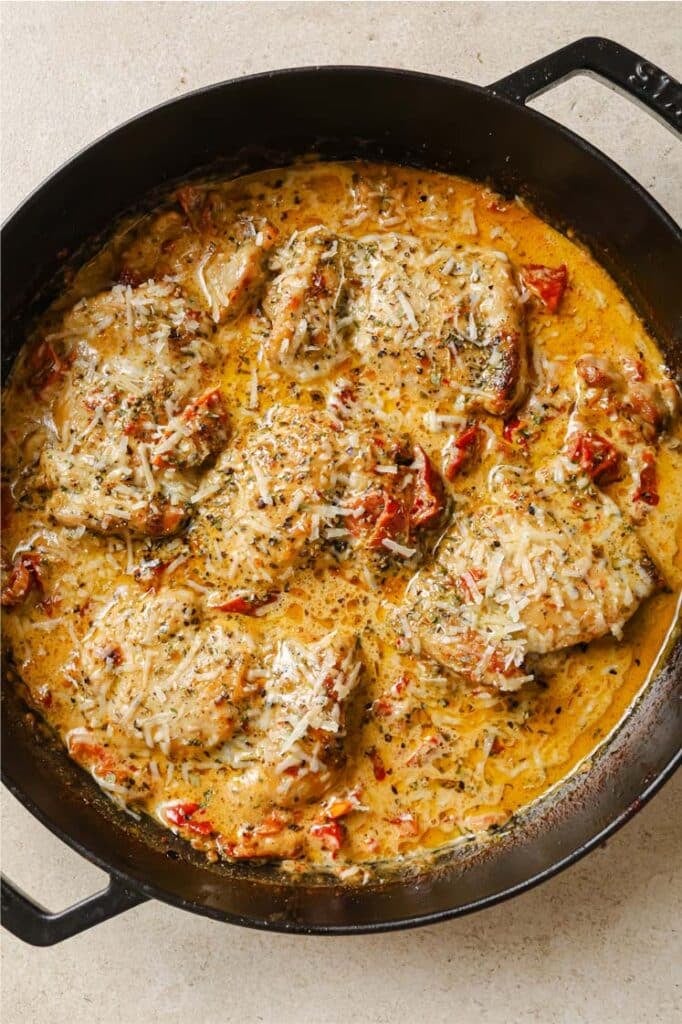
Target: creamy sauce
145,630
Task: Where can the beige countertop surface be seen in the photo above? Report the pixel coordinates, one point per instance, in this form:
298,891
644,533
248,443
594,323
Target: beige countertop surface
601,942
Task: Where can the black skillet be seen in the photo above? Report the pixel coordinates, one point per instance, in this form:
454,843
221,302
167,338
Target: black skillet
339,112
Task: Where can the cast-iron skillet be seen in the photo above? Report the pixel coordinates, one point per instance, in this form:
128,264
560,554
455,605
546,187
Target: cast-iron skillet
339,112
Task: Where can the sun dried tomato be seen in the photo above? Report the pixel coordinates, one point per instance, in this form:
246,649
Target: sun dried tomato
24,576
464,446
596,456
181,815
512,427
381,517
548,283
427,503
331,835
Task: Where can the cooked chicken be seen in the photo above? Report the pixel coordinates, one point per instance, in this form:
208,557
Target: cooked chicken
484,329
207,683
161,676
292,745
294,487
450,321
131,421
307,690
537,568
171,246
404,310
260,508
617,419
220,261
233,278
307,304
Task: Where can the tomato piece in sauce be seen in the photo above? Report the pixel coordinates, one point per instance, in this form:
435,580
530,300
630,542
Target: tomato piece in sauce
596,456
427,503
464,446
24,576
331,835
181,815
548,283
382,517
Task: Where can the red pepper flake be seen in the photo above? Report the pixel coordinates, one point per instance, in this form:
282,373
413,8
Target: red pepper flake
245,605
548,283
377,764
596,456
464,445
648,483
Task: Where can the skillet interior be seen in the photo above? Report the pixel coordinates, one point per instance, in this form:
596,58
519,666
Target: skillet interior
405,118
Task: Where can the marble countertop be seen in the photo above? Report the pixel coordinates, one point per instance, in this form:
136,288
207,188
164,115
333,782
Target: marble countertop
601,942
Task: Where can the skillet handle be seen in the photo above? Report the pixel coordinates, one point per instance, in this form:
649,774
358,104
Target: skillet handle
39,927
603,59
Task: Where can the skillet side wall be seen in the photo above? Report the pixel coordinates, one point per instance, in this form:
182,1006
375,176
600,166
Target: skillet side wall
406,118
